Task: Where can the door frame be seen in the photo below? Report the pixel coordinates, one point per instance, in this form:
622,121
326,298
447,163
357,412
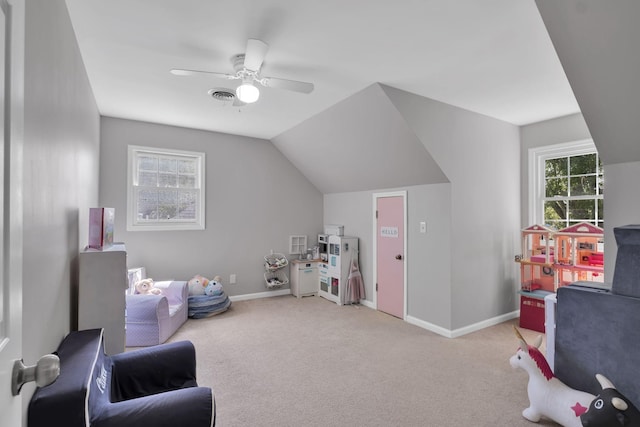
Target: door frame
11,407
377,196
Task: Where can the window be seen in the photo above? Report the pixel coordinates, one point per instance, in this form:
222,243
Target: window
166,189
567,185
297,244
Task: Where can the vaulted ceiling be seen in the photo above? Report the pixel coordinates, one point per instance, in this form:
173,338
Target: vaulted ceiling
490,57
599,47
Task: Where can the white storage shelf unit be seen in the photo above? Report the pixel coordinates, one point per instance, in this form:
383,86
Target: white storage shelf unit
102,284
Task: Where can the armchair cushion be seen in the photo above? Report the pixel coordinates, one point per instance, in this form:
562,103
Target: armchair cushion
135,374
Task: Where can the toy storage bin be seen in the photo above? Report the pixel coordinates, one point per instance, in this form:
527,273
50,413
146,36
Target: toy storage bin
275,262
275,279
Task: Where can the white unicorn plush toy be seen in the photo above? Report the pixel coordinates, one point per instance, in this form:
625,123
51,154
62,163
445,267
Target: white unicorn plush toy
548,396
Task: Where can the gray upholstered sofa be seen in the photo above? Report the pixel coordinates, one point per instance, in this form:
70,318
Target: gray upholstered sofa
598,330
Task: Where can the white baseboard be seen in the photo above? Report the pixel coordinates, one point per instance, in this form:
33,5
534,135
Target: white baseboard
367,303
409,319
260,295
465,330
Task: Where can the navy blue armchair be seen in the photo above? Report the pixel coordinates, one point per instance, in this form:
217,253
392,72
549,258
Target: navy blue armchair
151,387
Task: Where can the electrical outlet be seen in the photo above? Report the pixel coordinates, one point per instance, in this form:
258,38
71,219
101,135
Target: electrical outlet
232,279
423,226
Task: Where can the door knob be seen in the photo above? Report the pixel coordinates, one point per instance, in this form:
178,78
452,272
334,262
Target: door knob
398,256
43,373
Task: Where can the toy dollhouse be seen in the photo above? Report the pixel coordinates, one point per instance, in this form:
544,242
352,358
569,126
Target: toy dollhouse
551,259
537,276
537,259
579,254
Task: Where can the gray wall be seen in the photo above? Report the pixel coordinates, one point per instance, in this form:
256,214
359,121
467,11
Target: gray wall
428,255
621,206
255,199
359,144
61,149
461,272
481,158
596,43
465,182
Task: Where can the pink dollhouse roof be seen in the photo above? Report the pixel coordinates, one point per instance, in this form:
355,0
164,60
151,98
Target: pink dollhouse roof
582,229
539,229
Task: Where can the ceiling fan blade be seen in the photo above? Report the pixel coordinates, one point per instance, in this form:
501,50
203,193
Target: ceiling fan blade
293,85
255,53
180,72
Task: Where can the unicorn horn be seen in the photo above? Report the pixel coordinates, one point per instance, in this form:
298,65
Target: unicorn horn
523,343
519,335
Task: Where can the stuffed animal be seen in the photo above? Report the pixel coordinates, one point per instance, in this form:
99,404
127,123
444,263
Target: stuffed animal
145,287
610,408
548,396
197,284
214,287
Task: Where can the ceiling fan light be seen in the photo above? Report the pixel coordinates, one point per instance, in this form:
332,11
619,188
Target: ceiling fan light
247,93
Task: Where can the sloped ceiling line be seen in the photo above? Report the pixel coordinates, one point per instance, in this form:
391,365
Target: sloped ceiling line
362,143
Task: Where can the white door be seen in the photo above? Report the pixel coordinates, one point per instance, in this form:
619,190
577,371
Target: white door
12,59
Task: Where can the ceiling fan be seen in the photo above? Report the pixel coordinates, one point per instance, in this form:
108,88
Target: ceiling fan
247,69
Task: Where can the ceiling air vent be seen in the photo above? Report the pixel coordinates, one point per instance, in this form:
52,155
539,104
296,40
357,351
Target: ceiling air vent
222,95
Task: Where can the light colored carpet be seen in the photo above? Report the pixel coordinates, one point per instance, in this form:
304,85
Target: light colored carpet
287,362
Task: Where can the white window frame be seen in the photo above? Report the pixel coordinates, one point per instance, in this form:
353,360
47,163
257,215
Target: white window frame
537,158
133,224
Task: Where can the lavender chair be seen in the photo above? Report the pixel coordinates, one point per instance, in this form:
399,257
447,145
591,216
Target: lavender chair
152,319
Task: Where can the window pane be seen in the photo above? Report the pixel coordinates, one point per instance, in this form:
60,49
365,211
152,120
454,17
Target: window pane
582,210
187,166
600,184
147,179
167,204
167,180
556,187
555,210
558,225
149,163
600,209
147,201
167,165
556,167
187,181
187,205
583,185
584,164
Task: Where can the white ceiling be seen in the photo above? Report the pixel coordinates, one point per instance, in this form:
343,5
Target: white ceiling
492,57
